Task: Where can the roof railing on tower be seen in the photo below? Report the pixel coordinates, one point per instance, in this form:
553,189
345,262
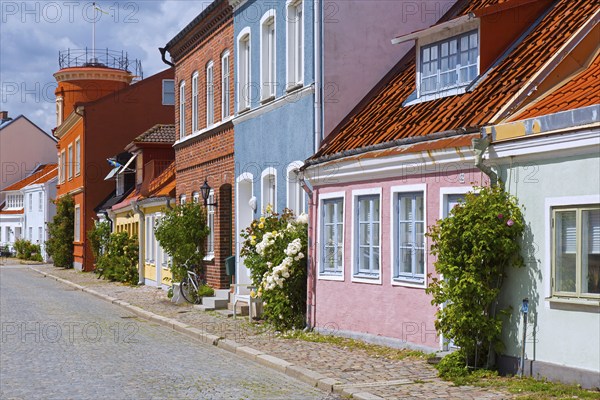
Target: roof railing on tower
102,59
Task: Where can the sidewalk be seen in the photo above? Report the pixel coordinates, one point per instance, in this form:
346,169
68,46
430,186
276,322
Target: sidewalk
347,371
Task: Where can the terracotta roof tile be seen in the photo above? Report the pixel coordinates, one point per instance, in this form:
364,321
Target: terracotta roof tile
159,133
42,174
383,119
11,212
163,184
580,91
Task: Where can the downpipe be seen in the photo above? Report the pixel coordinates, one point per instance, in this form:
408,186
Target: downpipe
312,282
141,241
480,145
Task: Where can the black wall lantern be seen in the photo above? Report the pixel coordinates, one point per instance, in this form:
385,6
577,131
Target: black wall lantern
205,191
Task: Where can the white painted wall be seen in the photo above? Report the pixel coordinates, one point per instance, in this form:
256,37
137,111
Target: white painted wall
37,215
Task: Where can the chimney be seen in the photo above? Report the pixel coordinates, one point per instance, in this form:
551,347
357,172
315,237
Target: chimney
4,116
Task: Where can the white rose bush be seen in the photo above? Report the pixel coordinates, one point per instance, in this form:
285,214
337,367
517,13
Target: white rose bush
274,250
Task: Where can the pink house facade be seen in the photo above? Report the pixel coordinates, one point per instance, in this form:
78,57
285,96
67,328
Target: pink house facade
383,299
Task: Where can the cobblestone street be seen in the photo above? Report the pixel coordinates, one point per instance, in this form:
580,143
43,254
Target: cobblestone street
352,369
60,343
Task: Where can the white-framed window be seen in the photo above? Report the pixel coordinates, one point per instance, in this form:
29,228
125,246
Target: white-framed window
225,90
295,43
31,234
244,89
366,243
182,199
77,224
40,201
150,239
449,63
168,92
63,166
409,263
295,193
268,184
14,201
120,179
210,221
59,110
195,102
71,164
332,236
267,56
210,94
576,251
77,156
195,197
30,202
40,234
182,110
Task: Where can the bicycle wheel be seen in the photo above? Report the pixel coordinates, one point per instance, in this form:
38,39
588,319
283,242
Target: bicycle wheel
189,292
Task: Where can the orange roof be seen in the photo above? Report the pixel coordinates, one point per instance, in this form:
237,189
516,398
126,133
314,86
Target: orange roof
164,184
383,119
580,91
42,174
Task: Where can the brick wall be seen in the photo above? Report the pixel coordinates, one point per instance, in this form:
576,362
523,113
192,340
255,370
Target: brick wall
208,155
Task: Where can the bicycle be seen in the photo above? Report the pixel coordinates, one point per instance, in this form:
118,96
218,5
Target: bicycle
190,285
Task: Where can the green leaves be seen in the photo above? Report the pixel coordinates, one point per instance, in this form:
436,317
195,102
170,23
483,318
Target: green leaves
119,259
474,245
61,232
181,232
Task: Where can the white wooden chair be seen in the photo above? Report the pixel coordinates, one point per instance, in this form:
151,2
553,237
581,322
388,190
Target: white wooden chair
242,293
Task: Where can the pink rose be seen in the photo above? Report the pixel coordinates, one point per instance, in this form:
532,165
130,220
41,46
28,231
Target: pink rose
510,222
500,216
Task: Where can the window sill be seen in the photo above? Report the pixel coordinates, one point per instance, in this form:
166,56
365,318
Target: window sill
413,99
209,258
202,131
371,279
244,110
294,87
325,276
267,100
414,283
575,301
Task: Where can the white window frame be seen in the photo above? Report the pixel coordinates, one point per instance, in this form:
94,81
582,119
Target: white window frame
210,222
244,70
150,250
195,197
40,201
210,94
549,204
70,164
394,191
182,199
182,110
354,274
195,105
30,198
438,38
322,275
165,92
452,190
225,85
295,200
77,224
40,234
268,56
77,156
63,164
59,110
295,44
265,190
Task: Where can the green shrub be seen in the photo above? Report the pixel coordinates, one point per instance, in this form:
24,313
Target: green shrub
99,237
119,262
61,233
205,291
275,249
474,247
181,233
453,366
28,251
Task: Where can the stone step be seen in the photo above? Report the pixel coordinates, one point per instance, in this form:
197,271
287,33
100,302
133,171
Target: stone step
222,293
242,308
215,303
201,307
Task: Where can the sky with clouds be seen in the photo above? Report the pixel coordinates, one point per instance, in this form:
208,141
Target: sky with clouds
32,34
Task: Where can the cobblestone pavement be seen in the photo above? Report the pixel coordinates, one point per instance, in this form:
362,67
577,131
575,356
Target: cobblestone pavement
60,343
410,378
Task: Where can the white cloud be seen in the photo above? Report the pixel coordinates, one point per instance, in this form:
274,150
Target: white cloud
33,33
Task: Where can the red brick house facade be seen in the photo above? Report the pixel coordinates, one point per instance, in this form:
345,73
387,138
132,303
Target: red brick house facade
202,54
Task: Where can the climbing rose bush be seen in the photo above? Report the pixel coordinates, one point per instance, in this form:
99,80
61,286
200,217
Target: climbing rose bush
475,247
274,250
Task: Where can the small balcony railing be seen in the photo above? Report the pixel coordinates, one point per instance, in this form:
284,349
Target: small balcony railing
100,58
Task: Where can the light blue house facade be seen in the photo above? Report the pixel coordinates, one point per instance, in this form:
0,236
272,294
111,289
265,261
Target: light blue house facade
274,107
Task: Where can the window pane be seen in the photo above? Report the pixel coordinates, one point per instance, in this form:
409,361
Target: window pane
364,210
590,271
419,207
363,258
420,267
329,212
565,252
375,260
375,233
405,210
405,260
365,235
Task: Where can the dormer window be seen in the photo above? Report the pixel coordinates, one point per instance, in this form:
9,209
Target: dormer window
448,64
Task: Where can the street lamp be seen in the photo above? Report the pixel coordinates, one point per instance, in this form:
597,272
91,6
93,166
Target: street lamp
205,191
